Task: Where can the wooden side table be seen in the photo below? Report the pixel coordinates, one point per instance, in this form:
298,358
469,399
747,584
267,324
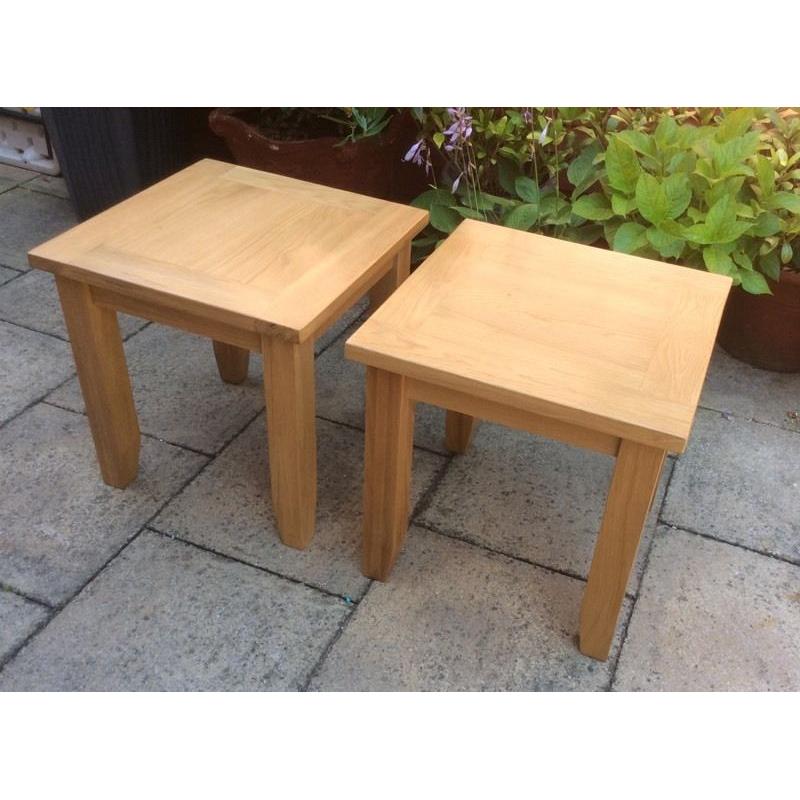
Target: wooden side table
590,347
256,262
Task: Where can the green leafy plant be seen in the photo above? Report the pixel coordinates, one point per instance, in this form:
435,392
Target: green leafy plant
709,188
307,123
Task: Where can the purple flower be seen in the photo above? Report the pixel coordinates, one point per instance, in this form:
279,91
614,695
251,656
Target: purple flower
460,129
456,182
527,115
415,152
419,154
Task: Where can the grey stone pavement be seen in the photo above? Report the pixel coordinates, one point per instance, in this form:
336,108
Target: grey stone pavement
179,582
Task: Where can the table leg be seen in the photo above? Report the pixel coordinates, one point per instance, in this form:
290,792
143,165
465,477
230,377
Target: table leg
458,431
634,483
292,438
103,375
387,470
398,272
232,362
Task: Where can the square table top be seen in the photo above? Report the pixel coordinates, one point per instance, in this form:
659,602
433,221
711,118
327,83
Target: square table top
611,342
257,250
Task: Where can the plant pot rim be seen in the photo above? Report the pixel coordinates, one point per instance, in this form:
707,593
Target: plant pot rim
233,116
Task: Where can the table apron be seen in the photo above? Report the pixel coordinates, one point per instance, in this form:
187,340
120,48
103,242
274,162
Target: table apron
184,320
520,419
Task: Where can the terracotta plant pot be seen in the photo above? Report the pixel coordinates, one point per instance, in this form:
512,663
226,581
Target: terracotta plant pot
764,330
373,165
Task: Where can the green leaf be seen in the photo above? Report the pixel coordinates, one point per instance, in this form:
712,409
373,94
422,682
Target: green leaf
786,253
721,225
754,282
639,141
718,260
593,206
785,200
666,132
668,246
622,206
433,197
584,234
767,224
469,213
438,138
582,167
444,219
651,198
523,217
527,189
766,175
735,124
630,237
507,173
729,157
679,194
770,265
622,166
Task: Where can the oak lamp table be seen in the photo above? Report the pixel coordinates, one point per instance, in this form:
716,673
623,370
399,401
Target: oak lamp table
594,348
256,262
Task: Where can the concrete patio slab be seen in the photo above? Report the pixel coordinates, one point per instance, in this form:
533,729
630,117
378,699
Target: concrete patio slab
177,390
31,364
739,481
19,618
712,617
59,522
165,616
227,508
49,184
7,274
32,301
532,498
14,176
455,617
30,218
340,397
734,387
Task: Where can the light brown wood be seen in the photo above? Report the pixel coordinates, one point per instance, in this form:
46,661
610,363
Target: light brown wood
631,494
182,320
256,251
476,407
103,375
458,431
397,273
232,362
387,470
292,439
609,342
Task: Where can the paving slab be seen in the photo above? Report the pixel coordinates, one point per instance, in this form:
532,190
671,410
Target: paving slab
165,616
340,397
31,364
7,274
739,481
32,301
455,617
19,618
712,617
177,390
532,498
13,176
28,219
49,184
734,387
59,522
227,508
